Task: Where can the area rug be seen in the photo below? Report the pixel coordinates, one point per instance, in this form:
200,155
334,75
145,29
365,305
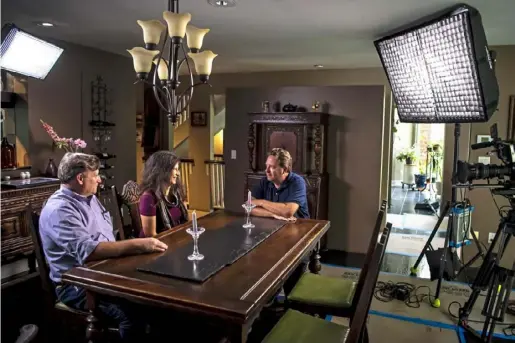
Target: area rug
440,320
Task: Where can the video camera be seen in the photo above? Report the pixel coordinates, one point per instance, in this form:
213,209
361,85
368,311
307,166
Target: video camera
505,151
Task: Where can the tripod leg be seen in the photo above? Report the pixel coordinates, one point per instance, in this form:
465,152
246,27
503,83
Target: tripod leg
479,254
443,261
482,278
414,269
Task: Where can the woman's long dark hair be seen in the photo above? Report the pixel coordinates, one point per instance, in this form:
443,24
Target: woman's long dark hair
156,175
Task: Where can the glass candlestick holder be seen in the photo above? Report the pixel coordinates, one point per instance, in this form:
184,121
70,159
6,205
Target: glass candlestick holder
195,256
248,208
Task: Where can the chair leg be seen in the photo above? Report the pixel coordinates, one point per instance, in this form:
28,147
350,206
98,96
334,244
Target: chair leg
364,334
314,264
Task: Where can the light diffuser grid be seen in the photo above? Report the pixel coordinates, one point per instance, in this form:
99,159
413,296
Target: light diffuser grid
433,74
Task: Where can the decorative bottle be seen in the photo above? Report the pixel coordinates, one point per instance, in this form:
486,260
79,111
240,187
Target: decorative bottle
8,154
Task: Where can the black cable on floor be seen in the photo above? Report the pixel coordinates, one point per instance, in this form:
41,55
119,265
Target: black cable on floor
403,291
409,294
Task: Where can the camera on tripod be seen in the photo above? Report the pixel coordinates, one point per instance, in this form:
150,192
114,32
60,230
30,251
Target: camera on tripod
505,151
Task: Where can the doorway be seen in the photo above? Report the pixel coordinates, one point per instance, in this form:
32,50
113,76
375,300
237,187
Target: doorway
417,168
415,189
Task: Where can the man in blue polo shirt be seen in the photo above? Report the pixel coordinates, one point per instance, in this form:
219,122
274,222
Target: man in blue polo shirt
282,193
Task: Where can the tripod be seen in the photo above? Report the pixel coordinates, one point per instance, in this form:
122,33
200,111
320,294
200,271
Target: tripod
450,243
496,279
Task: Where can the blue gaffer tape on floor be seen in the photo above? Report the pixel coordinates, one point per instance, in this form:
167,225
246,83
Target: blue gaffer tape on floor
415,320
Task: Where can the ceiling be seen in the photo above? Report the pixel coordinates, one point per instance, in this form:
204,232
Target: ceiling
256,35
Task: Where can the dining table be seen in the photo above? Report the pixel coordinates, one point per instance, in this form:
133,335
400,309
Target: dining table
242,269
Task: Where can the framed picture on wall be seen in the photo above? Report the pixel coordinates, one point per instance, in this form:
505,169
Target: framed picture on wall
198,118
511,119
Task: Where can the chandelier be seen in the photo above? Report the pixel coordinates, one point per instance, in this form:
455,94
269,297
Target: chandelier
165,78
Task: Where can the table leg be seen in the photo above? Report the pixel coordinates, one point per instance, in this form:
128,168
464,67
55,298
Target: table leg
238,334
314,264
92,330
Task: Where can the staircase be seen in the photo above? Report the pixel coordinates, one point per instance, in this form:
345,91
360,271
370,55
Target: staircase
215,168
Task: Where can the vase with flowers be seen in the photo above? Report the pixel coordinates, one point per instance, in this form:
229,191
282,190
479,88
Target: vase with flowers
67,144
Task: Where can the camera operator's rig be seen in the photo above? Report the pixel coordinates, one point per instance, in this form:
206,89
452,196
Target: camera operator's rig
497,281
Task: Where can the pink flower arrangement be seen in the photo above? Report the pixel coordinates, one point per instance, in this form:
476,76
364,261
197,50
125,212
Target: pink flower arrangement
68,144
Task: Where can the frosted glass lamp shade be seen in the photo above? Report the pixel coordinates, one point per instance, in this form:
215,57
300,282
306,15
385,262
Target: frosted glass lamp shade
195,37
203,63
152,30
162,69
142,59
177,23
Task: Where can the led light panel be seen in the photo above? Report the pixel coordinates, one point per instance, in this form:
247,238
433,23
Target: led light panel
440,69
25,54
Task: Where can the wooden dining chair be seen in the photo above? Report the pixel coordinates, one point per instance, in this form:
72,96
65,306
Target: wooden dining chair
299,327
327,295
130,199
108,197
61,317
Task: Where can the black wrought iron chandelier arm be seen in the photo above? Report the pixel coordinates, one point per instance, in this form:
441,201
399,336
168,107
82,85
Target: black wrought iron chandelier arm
192,84
156,81
166,78
190,88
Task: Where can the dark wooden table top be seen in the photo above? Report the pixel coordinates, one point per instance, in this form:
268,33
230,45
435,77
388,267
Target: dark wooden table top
235,293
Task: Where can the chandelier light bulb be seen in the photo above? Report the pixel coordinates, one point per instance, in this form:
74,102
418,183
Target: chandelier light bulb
195,37
177,23
162,69
142,59
152,30
203,63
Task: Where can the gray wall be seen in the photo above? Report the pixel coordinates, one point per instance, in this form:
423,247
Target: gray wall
354,152
63,100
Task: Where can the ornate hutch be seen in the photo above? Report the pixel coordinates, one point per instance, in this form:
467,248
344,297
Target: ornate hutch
304,135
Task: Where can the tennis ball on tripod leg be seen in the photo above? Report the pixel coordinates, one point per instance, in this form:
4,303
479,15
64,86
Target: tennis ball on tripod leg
436,303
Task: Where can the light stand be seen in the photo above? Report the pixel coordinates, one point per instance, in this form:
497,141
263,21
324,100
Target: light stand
448,210
441,70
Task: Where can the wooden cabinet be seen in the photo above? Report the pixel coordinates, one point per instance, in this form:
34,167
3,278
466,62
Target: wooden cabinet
16,240
304,135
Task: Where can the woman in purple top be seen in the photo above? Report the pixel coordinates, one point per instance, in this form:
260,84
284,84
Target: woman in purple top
160,205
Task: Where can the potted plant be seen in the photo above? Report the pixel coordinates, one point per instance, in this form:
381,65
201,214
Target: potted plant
407,155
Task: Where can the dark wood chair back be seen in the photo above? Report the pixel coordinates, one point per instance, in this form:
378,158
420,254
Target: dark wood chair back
32,221
109,199
130,198
358,330
370,253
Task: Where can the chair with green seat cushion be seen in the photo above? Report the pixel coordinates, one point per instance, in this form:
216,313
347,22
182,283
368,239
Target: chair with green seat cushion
323,295
298,327
323,290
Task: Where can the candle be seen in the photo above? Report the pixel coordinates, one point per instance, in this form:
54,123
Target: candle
194,221
249,197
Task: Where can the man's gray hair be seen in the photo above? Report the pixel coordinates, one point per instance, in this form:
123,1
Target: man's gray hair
74,163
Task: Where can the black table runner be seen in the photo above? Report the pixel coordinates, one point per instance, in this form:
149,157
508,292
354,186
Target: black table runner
220,247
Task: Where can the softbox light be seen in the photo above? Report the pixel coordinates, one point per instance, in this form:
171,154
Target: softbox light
25,54
440,69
